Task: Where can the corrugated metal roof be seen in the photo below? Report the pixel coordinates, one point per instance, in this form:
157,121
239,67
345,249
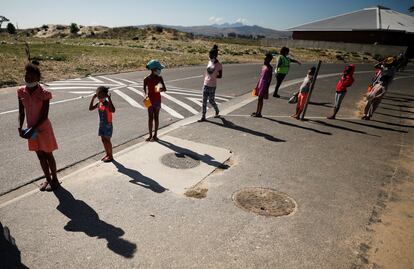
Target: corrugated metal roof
375,18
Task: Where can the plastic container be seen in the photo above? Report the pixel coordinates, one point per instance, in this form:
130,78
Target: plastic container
147,102
158,87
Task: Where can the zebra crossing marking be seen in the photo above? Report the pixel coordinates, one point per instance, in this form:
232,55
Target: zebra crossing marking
167,109
86,86
126,97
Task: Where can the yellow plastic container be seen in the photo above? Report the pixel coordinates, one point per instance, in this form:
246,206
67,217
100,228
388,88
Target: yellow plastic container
147,102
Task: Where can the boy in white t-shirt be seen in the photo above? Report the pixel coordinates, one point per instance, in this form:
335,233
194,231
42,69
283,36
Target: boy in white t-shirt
213,72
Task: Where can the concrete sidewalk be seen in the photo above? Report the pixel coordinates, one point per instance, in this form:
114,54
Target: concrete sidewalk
133,213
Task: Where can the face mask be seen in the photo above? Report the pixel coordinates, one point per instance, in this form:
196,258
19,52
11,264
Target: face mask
32,84
158,72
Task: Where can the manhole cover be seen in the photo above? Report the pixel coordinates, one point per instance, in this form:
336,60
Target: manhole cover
266,202
180,160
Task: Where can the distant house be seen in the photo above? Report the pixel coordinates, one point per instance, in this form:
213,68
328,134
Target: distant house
375,25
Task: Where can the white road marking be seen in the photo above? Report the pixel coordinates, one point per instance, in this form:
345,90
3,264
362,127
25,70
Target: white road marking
94,79
10,111
180,79
131,101
403,77
197,101
72,88
80,85
136,91
194,94
167,109
85,92
171,111
228,110
129,81
180,103
194,91
112,80
287,116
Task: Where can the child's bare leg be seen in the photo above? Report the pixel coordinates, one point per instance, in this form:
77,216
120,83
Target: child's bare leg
45,167
156,120
44,164
296,115
150,119
52,165
259,106
109,148
50,160
105,147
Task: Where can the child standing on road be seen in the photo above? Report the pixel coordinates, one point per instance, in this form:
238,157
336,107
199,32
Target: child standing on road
303,92
342,86
262,87
213,72
153,85
374,98
34,105
105,110
282,68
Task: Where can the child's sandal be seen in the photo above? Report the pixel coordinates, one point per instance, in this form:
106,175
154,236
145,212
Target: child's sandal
53,185
108,159
43,186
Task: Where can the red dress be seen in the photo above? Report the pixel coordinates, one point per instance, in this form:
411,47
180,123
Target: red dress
154,96
45,139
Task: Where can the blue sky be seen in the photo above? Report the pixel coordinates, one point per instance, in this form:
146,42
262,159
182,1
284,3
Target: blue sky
274,14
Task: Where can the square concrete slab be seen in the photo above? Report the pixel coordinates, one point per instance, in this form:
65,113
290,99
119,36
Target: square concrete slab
171,163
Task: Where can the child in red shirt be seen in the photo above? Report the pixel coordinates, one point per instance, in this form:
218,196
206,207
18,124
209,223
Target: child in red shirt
346,81
153,86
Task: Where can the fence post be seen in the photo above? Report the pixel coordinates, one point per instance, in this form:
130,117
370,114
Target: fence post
311,90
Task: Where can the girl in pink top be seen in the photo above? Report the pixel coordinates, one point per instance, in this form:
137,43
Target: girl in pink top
214,71
34,105
262,87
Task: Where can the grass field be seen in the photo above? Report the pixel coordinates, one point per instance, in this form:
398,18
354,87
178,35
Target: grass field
70,57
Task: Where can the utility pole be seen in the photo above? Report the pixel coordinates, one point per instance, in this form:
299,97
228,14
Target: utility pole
311,90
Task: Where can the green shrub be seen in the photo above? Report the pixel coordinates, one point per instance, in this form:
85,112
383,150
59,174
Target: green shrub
74,28
11,29
378,57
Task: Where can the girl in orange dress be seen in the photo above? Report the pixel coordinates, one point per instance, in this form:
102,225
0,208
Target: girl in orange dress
34,105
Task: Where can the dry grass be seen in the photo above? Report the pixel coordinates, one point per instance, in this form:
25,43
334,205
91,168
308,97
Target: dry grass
122,50
198,193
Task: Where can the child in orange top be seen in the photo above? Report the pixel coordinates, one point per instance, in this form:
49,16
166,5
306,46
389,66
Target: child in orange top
105,110
34,104
304,92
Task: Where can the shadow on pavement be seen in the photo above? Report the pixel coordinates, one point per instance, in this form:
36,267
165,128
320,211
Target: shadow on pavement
394,109
325,104
394,124
9,252
298,126
341,127
402,95
84,218
365,123
398,98
395,116
231,125
391,104
207,159
139,179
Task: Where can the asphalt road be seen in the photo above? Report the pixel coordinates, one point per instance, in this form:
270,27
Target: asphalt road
76,128
341,173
